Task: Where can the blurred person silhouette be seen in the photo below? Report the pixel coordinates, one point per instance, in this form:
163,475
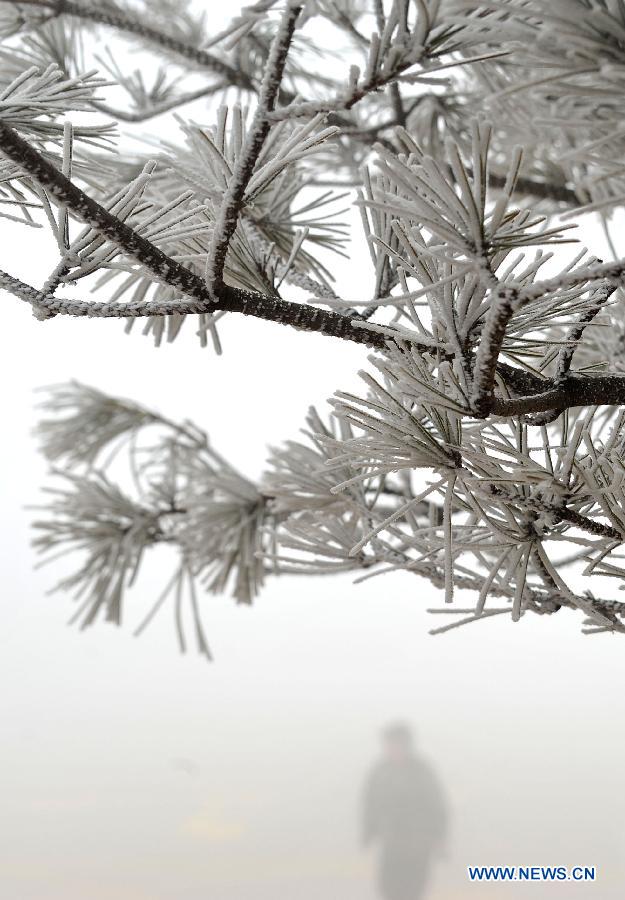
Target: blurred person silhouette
404,812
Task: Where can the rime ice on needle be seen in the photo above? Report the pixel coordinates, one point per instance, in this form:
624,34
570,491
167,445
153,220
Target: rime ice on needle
485,450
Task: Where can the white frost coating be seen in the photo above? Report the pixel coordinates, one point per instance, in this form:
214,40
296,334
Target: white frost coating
485,449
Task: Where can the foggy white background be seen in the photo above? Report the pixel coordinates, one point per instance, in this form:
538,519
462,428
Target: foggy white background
130,772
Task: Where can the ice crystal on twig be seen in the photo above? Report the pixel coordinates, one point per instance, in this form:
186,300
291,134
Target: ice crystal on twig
484,449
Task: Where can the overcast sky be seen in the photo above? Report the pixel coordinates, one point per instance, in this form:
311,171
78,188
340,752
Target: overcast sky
132,773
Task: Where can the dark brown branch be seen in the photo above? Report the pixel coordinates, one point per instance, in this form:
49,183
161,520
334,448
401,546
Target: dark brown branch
561,511
587,524
296,315
565,357
168,270
228,217
539,189
575,390
142,115
487,356
125,23
540,394
549,395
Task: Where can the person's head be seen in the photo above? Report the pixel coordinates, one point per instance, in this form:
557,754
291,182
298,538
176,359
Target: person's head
397,741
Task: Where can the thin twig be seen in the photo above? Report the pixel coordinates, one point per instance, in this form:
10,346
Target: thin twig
228,216
575,390
143,115
491,341
130,25
167,270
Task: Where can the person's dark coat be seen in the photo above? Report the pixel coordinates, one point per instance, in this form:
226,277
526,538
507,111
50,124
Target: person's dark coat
404,812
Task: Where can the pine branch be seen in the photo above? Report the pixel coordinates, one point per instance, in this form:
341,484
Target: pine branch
144,115
226,222
561,512
542,190
565,357
216,229
281,312
563,391
576,390
167,270
487,356
129,25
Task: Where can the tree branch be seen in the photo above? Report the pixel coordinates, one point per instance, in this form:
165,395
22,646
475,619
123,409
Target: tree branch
282,312
487,355
167,270
129,25
226,221
142,115
540,189
575,390
560,510
562,391
565,356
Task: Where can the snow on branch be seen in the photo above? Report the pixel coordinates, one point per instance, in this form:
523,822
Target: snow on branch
484,449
